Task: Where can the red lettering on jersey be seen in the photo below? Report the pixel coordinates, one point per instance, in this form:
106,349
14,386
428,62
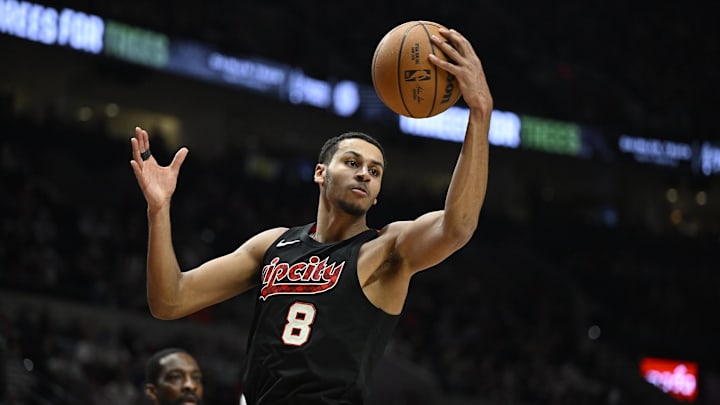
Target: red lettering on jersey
313,277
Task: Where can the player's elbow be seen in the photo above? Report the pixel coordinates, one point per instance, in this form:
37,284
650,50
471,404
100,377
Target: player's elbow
160,314
460,232
162,311
465,235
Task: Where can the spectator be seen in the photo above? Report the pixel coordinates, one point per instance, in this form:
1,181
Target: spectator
172,376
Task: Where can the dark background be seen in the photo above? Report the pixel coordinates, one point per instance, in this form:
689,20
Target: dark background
565,248
646,68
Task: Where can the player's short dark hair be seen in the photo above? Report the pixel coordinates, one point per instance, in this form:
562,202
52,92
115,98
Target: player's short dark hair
331,145
153,367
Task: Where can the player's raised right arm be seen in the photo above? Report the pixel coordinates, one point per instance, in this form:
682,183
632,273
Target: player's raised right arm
172,293
158,184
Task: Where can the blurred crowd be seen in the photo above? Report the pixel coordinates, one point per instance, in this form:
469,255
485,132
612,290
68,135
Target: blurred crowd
610,64
527,313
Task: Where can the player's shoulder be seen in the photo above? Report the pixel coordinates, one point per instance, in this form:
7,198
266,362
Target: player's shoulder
272,234
259,243
276,231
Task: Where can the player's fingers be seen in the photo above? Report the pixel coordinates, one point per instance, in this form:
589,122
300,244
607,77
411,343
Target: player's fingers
138,135
179,158
447,47
145,140
135,150
136,168
459,43
444,64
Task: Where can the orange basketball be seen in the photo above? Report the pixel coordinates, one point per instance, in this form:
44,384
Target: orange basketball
403,76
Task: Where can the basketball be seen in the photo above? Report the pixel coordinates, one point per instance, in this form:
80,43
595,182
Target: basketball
403,76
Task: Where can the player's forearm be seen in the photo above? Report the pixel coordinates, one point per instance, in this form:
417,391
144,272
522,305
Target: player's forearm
468,185
163,270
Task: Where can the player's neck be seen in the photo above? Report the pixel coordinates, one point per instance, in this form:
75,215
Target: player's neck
333,226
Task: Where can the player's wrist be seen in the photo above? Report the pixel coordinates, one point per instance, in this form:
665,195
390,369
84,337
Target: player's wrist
156,210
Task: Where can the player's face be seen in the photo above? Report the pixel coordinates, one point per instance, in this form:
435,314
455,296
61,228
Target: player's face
180,381
354,176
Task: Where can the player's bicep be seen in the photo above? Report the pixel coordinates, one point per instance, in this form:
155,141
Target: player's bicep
425,242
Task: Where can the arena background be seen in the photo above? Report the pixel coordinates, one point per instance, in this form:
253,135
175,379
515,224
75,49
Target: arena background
596,248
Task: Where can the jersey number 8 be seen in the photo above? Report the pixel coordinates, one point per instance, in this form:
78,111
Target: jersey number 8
300,318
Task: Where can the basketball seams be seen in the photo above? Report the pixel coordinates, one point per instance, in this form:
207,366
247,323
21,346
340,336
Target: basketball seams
434,68
400,78
378,52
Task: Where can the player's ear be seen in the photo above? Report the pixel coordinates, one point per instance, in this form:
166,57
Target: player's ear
319,175
150,391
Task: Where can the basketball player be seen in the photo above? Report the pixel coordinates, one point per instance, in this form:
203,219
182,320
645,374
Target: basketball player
329,293
172,376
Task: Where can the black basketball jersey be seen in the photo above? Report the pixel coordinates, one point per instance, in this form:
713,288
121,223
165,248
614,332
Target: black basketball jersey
315,337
